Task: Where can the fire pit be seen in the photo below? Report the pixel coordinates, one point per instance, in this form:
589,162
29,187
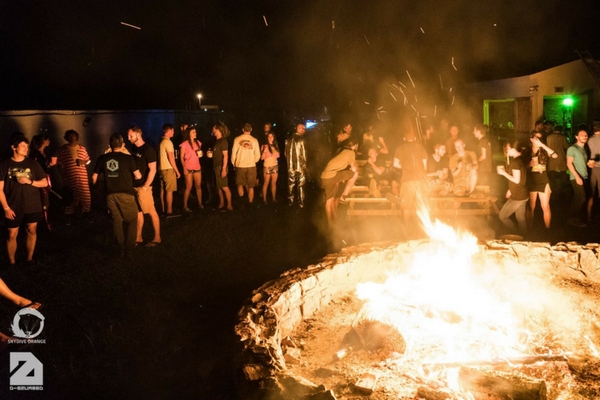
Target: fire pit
433,319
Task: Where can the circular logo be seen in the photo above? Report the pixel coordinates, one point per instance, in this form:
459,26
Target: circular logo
30,331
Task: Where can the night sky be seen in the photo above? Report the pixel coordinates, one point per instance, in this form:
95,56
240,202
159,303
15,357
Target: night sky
274,55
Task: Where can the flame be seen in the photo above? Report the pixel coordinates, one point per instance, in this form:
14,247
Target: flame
453,305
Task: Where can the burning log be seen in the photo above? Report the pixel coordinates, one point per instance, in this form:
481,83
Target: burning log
495,385
375,335
432,394
500,361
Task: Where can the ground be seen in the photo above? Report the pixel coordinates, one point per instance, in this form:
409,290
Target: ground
160,324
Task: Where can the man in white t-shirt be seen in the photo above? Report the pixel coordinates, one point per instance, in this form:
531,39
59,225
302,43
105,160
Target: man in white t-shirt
244,156
168,170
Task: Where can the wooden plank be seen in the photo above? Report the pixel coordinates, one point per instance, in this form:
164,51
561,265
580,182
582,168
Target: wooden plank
490,384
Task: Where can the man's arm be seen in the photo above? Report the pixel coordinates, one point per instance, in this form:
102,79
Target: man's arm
8,213
234,150
94,178
137,174
483,155
171,157
396,163
151,174
224,167
256,151
573,171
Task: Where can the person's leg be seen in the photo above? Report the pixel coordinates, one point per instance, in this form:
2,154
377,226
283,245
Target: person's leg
349,184
240,181
31,239
155,224
274,187
162,193
250,194
521,215
265,187
129,211
198,185
472,180
545,204
188,189
506,211
117,219
577,201
301,189
140,225
11,244
329,206
17,300
227,194
530,211
84,195
221,199
290,186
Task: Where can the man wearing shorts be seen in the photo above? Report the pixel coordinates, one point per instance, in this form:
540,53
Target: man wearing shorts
220,162
145,159
338,177
244,156
594,165
20,180
168,170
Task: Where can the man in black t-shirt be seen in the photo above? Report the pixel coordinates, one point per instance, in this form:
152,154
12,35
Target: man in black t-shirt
118,170
145,159
20,180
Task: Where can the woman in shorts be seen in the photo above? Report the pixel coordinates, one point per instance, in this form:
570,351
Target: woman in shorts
269,155
189,155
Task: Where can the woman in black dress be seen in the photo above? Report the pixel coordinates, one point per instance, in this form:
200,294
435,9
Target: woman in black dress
538,181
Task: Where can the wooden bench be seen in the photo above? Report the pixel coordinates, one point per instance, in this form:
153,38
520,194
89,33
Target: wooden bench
438,206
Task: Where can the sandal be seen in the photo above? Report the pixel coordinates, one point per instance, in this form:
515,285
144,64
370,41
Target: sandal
153,244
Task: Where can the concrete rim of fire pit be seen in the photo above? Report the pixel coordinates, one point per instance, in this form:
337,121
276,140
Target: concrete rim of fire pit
276,308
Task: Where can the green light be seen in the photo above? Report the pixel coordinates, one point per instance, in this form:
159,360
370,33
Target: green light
568,101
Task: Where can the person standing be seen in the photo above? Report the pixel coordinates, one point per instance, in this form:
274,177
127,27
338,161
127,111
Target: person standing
449,143
190,154
517,194
594,164
20,180
169,173
119,170
244,156
145,159
411,159
295,153
72,161
577,164
270,154
557,167
484,156
220,162
538,155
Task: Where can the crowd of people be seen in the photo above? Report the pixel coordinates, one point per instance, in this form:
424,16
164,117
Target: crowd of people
437,162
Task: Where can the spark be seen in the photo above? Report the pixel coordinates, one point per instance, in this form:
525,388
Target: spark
453,64
441,84
416,100
452,100
366,102
495,24
365,36
393,97
405,100
343,241
332,24
265,19
394,85
421,29
131,26
409,77
450,90
380,108
434,111
403,85
361,81
413,107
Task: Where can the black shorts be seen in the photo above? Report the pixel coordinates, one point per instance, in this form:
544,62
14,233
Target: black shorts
20,218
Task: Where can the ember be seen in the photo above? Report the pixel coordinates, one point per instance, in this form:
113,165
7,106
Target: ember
444,318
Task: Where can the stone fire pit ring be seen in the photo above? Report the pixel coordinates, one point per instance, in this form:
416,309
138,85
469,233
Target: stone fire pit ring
279,306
